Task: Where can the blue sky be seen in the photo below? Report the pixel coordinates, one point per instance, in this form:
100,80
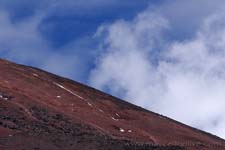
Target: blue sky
164,55
64,22
62,28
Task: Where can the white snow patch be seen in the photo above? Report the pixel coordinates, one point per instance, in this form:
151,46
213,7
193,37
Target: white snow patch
100,110
89,104
129,131
114,119
3,97
71,92
58,96
122,130
118,115
36,75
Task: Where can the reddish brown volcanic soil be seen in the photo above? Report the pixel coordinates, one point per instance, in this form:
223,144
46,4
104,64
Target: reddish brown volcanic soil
42,111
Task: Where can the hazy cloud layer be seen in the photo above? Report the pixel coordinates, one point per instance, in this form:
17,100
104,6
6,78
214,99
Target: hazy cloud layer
183,79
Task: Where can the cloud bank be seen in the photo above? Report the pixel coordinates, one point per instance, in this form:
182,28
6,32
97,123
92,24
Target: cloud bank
182,79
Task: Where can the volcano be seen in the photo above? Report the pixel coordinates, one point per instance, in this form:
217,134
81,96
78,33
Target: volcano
43,111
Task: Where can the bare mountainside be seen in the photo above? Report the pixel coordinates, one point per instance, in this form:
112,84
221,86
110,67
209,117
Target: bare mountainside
42,111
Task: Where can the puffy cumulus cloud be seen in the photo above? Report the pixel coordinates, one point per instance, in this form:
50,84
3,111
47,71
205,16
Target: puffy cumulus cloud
124,40
184,80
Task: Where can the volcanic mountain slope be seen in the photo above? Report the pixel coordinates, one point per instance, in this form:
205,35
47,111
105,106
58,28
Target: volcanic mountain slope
42,111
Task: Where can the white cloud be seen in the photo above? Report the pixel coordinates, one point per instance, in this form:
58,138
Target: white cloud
187,16
21,38
183,80
21,42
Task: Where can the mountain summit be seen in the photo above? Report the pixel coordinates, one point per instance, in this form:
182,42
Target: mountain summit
42,111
